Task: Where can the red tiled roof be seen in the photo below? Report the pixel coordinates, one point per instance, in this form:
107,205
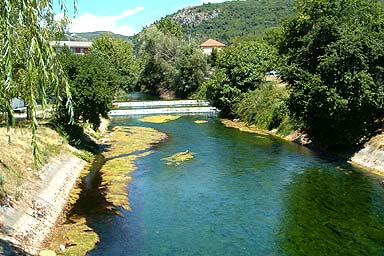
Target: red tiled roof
212,43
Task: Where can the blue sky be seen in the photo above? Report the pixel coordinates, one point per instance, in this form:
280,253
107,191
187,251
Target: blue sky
124,17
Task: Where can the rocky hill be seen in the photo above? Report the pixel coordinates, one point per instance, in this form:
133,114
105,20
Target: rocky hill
228,20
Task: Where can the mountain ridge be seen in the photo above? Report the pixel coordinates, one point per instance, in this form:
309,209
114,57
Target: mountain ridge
228,20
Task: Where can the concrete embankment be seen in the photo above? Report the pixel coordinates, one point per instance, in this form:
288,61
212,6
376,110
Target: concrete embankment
371,155
26,225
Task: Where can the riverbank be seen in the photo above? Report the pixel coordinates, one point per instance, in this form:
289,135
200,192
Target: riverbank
109,175
369,157
36,197
26,225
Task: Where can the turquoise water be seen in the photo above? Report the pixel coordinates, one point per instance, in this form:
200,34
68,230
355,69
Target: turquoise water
242,194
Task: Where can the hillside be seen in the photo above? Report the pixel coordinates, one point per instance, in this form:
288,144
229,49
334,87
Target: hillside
228,20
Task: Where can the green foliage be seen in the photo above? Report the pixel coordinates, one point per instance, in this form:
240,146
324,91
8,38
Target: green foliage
231,19
239,69
191,66
93,83
28,66
170,63
120,55
169,27
265,107
335,57
74,133
221,93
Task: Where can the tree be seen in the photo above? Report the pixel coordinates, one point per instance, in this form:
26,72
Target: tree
170,63
158,55
239,69
169,27
334,67
93,83
120,54
191,66
28,66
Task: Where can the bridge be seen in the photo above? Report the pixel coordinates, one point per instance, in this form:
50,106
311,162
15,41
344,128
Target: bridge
163,107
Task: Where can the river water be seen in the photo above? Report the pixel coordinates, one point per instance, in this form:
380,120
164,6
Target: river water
242,194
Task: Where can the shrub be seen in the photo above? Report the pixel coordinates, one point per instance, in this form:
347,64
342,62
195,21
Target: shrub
265,107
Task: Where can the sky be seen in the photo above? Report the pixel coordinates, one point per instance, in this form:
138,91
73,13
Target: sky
125,17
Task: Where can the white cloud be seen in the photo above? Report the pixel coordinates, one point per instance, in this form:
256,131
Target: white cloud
90,23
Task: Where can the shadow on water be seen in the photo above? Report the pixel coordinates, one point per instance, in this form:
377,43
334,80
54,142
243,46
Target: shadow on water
242,194
9,249
92,198
332,213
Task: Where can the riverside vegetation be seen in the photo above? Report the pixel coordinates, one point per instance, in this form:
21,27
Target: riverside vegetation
329,54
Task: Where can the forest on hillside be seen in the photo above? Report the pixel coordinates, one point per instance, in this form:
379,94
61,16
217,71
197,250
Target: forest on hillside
229,20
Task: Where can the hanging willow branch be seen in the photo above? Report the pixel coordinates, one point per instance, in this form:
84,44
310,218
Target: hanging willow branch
28,66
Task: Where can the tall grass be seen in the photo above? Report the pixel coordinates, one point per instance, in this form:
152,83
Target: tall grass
265,107
16,158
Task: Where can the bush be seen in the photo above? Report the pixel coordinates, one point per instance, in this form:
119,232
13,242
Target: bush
266,108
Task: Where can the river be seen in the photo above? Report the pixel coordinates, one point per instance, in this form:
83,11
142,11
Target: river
242,194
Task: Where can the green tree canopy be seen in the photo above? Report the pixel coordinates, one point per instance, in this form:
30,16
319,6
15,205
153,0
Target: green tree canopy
335,56
93,86
239,69
120,54
169,27
170,63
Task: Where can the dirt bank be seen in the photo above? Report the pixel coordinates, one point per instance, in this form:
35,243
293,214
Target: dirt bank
26,225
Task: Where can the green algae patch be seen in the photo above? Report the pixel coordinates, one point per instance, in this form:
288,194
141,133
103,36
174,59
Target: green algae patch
200,121
73,238
73,234
159,119
126,145
242,126
178,158
47,253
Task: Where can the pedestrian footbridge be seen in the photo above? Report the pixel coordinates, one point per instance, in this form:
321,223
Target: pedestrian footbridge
162,107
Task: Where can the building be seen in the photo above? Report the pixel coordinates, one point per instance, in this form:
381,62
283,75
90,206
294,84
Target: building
211,44
76,47
17,104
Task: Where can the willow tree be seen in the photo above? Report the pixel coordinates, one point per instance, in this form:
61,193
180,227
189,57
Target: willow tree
28,66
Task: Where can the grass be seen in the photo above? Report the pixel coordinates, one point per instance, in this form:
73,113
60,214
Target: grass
16,158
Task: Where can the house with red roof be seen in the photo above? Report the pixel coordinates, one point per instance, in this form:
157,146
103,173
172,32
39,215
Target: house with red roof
211,44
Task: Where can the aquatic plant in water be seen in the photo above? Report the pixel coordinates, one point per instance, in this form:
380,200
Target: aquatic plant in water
178,158
200,121
75,237
159,119
127,144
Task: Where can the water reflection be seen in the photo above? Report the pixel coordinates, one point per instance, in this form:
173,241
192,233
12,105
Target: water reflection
242,194
332,212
